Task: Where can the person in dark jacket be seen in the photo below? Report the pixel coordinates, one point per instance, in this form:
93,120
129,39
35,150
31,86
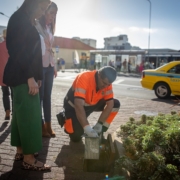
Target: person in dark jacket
23,72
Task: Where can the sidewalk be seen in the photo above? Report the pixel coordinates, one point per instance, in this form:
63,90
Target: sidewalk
66,158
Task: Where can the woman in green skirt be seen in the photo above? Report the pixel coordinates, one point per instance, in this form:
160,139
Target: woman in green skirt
23,73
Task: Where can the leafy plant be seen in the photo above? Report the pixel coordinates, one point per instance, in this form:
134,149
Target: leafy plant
152,147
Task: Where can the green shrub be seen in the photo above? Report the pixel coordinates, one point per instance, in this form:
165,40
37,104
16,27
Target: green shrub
152,147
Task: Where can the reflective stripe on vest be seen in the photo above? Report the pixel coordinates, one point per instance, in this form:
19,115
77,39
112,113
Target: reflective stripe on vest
80,90
108,92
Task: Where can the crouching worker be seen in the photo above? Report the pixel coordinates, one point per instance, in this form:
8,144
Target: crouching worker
91,91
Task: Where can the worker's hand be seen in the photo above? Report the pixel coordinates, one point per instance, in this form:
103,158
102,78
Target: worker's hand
90,132
98,127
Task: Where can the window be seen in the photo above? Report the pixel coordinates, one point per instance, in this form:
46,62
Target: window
121,47
175,70
83,54
121,38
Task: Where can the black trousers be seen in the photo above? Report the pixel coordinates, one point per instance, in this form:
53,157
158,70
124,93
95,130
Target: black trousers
71,114
6,91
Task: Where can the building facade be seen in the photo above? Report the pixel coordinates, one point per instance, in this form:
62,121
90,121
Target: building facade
89,42
117,43
70,49
135,57
157,56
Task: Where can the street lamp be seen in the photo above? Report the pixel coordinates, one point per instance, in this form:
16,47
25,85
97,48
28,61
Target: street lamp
149,27
4,14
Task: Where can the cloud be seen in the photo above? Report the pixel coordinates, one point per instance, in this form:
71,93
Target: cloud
151,30
145,30
134,29
118,30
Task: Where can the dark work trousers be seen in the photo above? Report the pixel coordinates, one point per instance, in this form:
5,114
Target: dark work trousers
6,92
45,92
71,114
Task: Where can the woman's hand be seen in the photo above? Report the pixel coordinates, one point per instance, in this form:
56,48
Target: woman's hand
55,73
39,83
33,87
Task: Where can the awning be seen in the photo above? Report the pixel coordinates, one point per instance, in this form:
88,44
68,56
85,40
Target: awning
118,52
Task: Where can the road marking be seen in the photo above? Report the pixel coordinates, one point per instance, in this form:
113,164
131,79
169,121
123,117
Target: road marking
73,77
131,85
66,77
118,81
69,77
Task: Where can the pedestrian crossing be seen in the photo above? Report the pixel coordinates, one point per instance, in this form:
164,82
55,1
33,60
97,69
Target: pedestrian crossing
66,79
72,77
118,81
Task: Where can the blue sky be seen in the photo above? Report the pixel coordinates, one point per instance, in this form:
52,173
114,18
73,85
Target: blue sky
97,19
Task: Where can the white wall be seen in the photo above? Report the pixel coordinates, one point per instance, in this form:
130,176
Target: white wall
90,42
114,41
98,58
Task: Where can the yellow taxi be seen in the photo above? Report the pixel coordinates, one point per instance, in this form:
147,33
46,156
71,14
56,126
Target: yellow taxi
164,80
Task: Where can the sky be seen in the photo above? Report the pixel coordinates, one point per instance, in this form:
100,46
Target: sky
97,19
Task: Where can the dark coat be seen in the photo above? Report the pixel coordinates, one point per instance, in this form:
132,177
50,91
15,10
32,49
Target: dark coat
24,48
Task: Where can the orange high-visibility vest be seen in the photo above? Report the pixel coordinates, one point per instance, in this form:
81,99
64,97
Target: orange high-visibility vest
84,86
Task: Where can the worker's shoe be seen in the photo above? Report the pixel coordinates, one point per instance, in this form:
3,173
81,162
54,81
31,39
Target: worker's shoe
7,116
49,129
45,132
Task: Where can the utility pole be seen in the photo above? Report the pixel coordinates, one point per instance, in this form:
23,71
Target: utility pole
4,14
149,27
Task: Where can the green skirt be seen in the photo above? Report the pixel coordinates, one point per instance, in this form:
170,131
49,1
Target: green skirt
26,125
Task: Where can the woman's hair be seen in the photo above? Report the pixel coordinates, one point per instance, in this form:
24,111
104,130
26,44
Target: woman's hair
4,33
42,20
30,6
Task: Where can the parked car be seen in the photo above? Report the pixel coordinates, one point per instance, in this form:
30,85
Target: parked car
164,80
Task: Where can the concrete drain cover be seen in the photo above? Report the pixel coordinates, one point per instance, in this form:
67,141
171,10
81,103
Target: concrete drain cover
147,113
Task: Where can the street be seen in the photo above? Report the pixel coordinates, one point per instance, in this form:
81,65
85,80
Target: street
123,86
65,157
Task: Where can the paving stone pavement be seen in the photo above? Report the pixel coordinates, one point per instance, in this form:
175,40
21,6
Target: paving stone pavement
65,157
